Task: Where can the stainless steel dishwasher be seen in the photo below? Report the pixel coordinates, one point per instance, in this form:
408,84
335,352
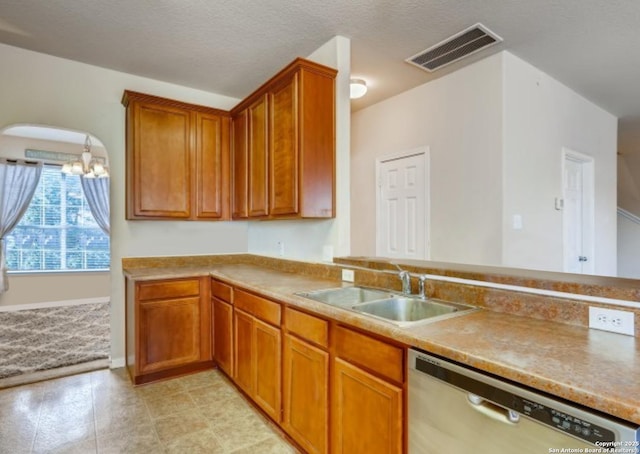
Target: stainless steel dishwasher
455,410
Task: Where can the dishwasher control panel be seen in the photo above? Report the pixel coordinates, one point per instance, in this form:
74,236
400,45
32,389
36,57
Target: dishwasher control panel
567,423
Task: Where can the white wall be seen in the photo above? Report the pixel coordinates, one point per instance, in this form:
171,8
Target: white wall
495,129
541,116
628,246
40,290
628,177
31,288
14,147
40,89
305,240
459,117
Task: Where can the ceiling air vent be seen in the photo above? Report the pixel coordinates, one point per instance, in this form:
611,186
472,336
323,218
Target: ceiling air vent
467,42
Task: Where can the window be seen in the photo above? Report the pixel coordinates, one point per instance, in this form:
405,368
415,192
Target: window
58,231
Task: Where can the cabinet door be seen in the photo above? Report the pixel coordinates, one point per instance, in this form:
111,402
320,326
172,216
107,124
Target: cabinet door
223,335
169,333
283,152
258,159
240,164
212,166
366,412
306,376
243,358
317,144
160,162
267,368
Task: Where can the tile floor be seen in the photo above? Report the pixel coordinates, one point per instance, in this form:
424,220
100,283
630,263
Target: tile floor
101,412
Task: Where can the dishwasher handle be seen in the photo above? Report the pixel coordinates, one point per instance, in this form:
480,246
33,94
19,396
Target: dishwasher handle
492,410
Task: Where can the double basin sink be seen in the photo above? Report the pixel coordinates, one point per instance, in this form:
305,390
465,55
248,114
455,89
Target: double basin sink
399,309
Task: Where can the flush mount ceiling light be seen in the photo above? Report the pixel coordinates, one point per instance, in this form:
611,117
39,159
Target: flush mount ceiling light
358,88
86,165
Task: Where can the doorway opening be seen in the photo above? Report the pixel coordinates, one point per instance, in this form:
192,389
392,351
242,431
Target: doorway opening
402,205
55,306
578,212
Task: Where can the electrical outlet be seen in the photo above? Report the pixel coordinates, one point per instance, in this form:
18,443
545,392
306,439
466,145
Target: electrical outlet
348,275
611,320
281,248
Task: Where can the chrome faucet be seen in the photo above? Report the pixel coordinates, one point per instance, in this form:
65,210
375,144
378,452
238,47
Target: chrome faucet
406,281
421,286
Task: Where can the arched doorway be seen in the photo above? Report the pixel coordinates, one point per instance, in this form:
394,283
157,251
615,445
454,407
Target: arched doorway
55,314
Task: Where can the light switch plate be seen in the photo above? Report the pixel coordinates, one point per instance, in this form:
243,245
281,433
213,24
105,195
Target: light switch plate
517,222
327,253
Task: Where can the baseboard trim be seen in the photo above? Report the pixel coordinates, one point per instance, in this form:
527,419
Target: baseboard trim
50,374
117,363
46,304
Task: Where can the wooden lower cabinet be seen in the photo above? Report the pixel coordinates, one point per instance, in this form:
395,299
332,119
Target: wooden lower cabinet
223,335
267,368
366,412
243,355
168,328
169,333
306,394
331,388
258,360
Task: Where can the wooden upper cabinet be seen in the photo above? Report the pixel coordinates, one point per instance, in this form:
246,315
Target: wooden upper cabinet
240,166
316,117
177,159
212,166
159,161
291,168
283,159
283,152
258,158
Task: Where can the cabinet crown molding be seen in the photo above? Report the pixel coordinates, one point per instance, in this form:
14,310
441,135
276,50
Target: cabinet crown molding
133,96
296,65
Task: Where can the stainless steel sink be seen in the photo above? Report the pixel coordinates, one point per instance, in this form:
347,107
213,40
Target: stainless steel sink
346,296
405,311
391,307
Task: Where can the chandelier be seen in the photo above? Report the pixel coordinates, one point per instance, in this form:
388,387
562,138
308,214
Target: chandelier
86,165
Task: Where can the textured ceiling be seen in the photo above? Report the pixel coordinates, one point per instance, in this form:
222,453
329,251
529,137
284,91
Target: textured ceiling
230,47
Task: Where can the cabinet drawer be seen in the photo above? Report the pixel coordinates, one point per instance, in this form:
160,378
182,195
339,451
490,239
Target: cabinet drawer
221,291
377,356
307,326
261,308
167,289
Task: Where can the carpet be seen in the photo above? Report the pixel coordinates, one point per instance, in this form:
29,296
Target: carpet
43,339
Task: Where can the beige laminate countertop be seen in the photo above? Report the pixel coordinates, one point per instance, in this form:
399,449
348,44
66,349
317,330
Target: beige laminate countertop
593,368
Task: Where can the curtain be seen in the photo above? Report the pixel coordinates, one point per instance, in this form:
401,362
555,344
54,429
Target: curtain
96,190
18,182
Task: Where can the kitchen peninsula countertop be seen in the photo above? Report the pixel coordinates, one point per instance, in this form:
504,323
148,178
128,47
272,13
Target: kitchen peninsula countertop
593,368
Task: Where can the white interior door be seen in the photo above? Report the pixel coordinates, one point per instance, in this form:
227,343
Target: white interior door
402,206
577,219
